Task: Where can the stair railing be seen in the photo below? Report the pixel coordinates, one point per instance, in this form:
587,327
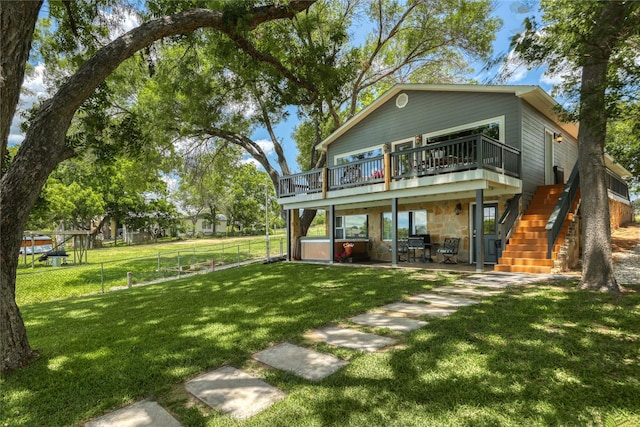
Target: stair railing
562,209
509,218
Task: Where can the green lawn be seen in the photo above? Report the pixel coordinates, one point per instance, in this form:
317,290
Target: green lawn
107,268
538,355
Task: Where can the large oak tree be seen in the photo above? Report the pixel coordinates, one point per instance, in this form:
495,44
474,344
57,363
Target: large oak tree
45,144
594,45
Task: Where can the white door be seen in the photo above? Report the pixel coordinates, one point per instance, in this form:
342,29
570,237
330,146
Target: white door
548,158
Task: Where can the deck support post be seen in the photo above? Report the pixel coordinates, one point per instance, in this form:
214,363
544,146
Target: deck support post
394,232
288,221
332,233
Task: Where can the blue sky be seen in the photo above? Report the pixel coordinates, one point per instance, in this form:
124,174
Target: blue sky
511,12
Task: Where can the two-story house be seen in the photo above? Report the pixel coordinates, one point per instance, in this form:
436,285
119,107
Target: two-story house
492,166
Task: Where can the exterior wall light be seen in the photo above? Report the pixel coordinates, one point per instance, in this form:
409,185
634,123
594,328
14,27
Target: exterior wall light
557,137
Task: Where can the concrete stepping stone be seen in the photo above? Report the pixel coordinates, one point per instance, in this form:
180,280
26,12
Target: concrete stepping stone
467,291
350,338
499,280
418,309
140,414
400,324
309,364
442,300
234,392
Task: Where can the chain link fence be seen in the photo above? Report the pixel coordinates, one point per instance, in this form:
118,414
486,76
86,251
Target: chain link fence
53,283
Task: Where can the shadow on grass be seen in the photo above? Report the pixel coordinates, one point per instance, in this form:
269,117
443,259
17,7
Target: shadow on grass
532,357
99,353
535,356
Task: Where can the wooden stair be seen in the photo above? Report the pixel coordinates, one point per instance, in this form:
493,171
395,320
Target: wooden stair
526,251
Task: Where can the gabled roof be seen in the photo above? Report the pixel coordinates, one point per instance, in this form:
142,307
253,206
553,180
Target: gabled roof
534,95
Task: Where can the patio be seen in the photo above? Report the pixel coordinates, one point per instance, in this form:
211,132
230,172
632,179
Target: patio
418,265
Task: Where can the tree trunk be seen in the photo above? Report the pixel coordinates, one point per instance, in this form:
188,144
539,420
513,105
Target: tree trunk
44,145
21,18
306,219
597,265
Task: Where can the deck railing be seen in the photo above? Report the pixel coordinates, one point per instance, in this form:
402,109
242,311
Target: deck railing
366,171
509,218
301,183
561,209
471,152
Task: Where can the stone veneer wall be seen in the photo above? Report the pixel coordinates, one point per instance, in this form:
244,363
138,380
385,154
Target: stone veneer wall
570,253
442,222
620,213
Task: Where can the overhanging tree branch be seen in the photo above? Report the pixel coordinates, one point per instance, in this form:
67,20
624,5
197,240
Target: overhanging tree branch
44,146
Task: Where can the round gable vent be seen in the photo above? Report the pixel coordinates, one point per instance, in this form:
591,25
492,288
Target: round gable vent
402,100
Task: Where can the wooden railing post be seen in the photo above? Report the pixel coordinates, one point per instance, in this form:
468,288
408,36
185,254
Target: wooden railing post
387,171
325,182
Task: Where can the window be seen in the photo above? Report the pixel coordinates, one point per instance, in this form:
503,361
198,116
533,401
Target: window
490,219
354,156
351,227
408,145
206,225
493,128
409,224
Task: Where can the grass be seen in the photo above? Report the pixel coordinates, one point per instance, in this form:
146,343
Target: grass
540,355
108,267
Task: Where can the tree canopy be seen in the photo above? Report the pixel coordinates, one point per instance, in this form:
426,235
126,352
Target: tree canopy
325,65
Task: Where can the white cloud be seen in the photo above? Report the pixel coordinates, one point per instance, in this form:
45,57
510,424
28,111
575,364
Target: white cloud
563,72
250,160
172,182
551,79
514,68
266,146
120,22
33,90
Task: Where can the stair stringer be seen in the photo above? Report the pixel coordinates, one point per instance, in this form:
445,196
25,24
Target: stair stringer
568,255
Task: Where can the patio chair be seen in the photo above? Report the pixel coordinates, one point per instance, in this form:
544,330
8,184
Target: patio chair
403,248
449,250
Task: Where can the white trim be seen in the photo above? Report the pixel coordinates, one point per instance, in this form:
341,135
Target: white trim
548,164
617,198
402,100
352,153
394,144
499,119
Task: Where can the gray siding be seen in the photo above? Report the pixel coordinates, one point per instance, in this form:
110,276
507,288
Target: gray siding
429,112
534,126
